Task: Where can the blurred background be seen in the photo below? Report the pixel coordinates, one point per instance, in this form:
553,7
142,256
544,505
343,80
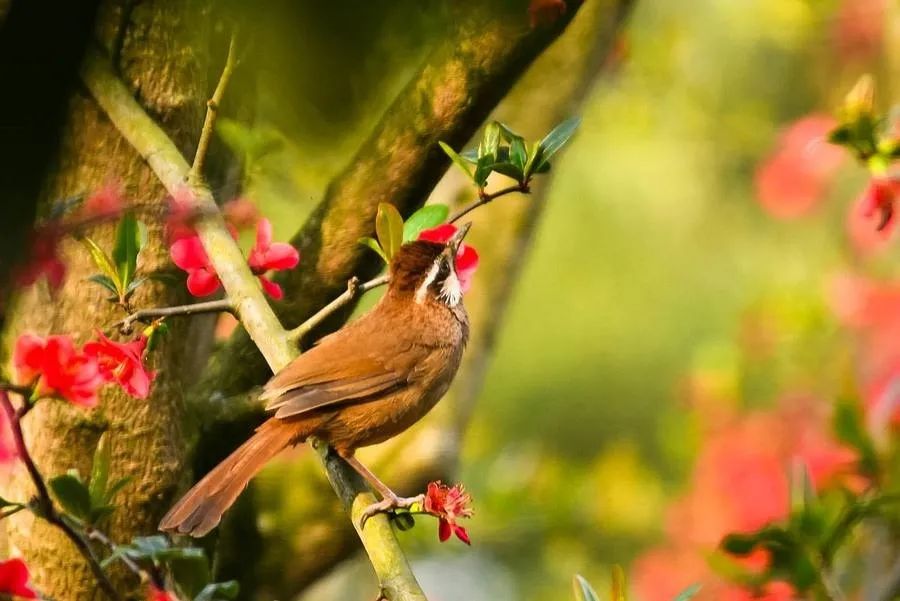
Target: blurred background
674,282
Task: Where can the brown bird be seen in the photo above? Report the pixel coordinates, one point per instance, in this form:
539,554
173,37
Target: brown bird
357,387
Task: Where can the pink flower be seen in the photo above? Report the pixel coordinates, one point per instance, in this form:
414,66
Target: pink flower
466,257
44,259
180,219
877,200
60,369
158,594
270,256
240,213
793,179
122,363
188,254
14,578
105,202
9,450
448,503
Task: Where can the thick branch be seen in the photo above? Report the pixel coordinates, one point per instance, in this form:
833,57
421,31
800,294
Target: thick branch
243,290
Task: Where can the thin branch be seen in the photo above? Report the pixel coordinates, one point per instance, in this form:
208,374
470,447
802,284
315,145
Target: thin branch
151,575
47,508
212,110
484,198
354,289
256,315
148,315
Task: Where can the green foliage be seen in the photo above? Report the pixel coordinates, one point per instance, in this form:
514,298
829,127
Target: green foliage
188,565
503,151
850,429
89,503
583,589
72,494
427,217
389,229
118,272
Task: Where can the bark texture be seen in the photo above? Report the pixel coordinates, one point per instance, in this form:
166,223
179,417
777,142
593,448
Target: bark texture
160,51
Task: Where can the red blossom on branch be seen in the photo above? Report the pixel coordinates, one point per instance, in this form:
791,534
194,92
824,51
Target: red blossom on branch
188,254
158,594
60,369
270,256
14,578
791,181
122,363
44,258
107,201
877,201
240,213
181,216
449,503
466,257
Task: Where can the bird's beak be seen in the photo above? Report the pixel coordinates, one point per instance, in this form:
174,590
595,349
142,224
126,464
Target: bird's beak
454,242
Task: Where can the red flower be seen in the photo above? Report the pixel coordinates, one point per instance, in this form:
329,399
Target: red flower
188,253
545,12
158,594
878,200
105,202
62,370
792,180
240,213
122,363
179,222
9,450
448,503
44,259
14,578
466,257
267,255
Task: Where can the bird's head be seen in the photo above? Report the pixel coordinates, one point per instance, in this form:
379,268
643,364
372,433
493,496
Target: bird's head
432,270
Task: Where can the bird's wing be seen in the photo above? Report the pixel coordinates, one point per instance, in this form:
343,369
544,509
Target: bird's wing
343,367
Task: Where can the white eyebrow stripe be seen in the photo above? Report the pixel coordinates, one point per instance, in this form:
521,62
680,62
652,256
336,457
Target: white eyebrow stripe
422,291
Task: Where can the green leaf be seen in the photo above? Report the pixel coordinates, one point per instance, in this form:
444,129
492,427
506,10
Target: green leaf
104,264
389,228
116,486
509,170
850,428
490,142
100,472
72,494
128,245
155,333
427,217
688,593
134,285
583,590
403,521
483,170
740,544
534,157
557,138
470,156
107,283
373,244
618,587
4,503
216,591
518,154
457,160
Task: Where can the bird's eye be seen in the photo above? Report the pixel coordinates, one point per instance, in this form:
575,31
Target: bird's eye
443,271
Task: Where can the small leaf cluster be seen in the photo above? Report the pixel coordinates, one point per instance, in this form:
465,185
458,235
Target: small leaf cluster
118,272
802,550
503,151
87,503
392,232
619,589
871,138
188,566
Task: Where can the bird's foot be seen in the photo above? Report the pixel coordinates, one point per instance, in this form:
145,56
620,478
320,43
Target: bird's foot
389,504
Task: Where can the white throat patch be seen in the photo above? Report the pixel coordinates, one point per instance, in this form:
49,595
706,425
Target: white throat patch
451,289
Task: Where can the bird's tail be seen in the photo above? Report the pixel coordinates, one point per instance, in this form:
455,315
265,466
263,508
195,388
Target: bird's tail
201,509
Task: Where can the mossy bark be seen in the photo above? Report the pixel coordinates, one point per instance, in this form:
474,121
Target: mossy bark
159,50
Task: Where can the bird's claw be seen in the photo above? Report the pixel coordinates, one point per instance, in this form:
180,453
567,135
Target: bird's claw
387,505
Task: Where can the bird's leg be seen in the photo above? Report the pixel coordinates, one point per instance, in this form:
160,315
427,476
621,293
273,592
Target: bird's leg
389,499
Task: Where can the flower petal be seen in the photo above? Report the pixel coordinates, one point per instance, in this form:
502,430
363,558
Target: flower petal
441,233
461,534
202,282
188,253
444,530
271,288
28,357
280,256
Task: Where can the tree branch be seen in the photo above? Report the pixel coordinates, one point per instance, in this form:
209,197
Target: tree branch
250,304
354,290
145,315
212,110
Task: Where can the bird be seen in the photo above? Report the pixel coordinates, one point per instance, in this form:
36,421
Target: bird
359,386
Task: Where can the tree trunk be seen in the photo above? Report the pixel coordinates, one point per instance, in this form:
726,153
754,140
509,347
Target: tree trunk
158,47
